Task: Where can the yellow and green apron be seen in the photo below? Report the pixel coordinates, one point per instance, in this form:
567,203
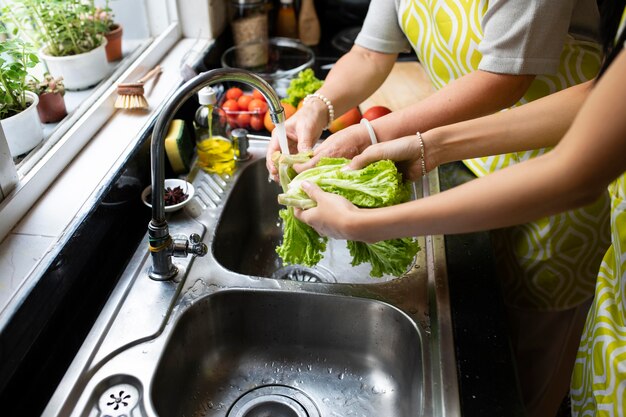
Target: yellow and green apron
550,264
599,380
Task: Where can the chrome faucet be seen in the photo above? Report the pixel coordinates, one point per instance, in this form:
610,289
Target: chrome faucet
162,246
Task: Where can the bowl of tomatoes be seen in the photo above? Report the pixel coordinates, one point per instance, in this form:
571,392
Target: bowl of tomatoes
243,108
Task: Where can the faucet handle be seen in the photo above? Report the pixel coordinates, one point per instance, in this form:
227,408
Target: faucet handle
183,247
196,246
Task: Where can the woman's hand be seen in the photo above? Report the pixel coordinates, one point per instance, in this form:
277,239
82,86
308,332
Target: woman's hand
406,151
303,129
346,143
333,216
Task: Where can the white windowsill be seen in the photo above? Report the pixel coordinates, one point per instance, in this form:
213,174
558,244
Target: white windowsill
39,233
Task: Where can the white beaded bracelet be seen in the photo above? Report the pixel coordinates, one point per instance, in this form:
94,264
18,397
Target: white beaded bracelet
329,105
422,154
370,130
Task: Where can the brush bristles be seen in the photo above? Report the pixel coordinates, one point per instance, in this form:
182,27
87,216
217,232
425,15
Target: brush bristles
131,101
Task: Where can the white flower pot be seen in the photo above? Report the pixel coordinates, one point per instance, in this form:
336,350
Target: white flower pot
23,130
79,71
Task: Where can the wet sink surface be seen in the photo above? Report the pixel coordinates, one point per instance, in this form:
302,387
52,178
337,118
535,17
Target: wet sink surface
272,353
227,338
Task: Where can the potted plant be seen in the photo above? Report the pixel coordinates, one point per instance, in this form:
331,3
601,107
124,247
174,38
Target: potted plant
70,34
113,34
51,107
18,113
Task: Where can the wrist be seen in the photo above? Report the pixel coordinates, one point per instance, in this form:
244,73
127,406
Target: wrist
432,149
321,102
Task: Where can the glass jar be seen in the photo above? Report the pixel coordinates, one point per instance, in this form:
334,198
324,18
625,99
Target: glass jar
249,22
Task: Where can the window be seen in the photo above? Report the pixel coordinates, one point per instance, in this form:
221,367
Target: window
151,28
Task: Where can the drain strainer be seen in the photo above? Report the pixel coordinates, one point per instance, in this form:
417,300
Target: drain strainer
118,401
274,401
304,274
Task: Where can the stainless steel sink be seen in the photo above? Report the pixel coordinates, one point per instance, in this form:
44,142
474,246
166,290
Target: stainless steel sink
229,337
270,353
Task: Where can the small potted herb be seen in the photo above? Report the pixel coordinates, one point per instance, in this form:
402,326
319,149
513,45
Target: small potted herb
18,114
70,34
51,107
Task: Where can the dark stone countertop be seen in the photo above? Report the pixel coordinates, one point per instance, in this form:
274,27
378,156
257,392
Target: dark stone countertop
487,380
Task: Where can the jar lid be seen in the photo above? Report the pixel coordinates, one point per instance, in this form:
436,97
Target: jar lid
207,96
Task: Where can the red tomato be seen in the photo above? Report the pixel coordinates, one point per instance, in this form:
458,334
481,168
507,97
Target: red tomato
230,106
257,106
232,121
257,94
375,112
256,122
244,101
233,93
243,120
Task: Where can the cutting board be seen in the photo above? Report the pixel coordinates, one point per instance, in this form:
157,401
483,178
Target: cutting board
406,84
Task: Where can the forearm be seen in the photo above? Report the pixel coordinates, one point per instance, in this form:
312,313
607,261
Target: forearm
473,95
356,76
516,195
539,124
575,173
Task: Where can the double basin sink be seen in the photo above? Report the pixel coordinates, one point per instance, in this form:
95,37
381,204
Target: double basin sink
237,334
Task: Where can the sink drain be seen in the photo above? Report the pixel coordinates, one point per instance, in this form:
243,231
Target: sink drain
304,274
118,401
274,401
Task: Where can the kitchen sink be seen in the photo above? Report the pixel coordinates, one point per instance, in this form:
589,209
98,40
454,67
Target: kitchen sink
249,230
238,334
271,353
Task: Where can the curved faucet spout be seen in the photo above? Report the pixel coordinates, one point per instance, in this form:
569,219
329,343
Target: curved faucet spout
161,246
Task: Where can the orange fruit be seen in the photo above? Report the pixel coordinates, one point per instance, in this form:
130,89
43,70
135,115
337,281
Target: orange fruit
289,111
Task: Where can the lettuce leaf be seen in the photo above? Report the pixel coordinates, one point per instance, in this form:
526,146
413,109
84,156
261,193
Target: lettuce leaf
301,243
376,185
305,83
392,256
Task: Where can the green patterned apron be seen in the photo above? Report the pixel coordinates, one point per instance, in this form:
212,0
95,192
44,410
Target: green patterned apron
550,264
599,379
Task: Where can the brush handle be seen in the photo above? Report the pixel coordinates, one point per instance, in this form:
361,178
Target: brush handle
154,71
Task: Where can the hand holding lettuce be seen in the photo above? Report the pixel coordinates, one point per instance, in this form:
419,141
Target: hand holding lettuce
376,185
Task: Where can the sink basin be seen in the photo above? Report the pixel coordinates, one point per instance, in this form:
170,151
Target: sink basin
249,230
255,353
222,340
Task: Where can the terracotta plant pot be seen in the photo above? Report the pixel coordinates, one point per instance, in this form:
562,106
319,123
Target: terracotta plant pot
114,43
51,108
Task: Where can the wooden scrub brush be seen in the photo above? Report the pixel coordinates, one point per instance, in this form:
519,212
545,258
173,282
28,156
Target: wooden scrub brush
131,95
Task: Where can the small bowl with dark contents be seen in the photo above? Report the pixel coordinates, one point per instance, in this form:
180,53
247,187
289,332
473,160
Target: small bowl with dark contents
177,194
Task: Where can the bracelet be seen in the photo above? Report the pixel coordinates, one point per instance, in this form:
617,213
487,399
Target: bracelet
370,130
422,155
329,105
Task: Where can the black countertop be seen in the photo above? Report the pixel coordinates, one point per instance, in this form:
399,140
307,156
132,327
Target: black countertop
487,379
